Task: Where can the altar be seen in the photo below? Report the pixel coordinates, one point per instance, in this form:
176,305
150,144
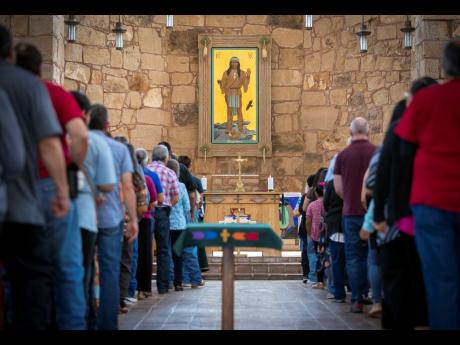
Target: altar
262,207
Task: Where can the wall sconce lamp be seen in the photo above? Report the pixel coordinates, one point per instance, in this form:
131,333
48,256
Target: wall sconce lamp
72,23
308,22
264,41
119,31
205,42
169,21
362,34
407,29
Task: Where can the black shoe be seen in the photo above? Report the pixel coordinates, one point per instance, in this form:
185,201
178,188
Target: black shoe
339,300
179,288
162,292
367,300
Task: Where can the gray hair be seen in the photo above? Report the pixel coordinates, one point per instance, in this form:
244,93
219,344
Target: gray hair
174,166
160,153
359,125
141,156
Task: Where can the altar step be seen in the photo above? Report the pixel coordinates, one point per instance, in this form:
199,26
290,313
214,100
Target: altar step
255,268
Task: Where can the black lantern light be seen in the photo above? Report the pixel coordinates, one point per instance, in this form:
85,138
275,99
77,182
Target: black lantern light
362,34
169,21
71,29
407,29
308,22
119,31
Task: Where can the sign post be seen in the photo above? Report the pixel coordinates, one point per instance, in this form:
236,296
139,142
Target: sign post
228,236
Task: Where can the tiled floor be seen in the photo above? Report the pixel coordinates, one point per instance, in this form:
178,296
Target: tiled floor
258,305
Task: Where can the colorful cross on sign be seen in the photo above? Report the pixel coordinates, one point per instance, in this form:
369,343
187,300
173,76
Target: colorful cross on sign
225,235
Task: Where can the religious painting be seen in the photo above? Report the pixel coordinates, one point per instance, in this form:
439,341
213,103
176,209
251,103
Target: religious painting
288,222
234,95
234,80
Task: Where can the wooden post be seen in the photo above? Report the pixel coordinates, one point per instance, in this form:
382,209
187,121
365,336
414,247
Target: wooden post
227,288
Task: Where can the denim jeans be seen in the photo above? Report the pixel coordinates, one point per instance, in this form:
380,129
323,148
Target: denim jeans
163,248
133,283
328,272
191,268
338,268
109,241
356,252
375,275
304,257
312,259
65,236
437,236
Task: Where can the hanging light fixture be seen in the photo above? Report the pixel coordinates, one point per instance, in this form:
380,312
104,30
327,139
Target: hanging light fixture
362,34
119,31
72,23
308,22
169,21
407,29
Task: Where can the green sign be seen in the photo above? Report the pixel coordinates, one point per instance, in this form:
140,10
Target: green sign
228,235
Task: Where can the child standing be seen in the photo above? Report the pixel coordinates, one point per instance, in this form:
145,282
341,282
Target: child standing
315,211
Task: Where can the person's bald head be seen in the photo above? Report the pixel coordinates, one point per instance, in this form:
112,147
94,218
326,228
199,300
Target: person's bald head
359,127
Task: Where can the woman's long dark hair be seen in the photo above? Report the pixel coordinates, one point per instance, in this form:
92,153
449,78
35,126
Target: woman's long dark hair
230,68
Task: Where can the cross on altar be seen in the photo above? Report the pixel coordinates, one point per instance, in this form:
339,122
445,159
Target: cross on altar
240,184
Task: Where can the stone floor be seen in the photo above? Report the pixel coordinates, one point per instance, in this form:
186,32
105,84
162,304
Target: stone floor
259,305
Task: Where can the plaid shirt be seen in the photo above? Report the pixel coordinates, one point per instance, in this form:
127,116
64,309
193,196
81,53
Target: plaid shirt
168,180
315,211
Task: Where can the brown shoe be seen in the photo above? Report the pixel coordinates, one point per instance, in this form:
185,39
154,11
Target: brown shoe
376,311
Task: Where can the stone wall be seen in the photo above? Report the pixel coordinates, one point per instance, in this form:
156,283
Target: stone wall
320,82
45,32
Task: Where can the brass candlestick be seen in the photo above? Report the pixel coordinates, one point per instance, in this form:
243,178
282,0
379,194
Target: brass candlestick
240,185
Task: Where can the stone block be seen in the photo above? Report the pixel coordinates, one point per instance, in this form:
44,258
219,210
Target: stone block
386,32
225,21
327,61
380,97
392,19
20,25
185,41
70,84
307,39
323,26
286,93
250,29
158,78
384,63
397,91
341,80
286,78
287,21
183,94
131,58
115,118
153,117
436,30
338,97
185,114
183,137
313,63
258,19
311,141
330,41
375,83
430,68
77,71
146,136
322,118
368,62
288,38
101,22
96,56
116,58
128,116
90,36
282,123
134,100
116,72
177,63
313,98
96,77
189,20
40,25
433,49
115,84
73,52
288,166
351,64
153,98
138,82
317,81
181,78
283,143
286,107
114,100
153,62
352,20
291,58
149,41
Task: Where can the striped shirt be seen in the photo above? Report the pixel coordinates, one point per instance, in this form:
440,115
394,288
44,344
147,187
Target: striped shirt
168,179
315,211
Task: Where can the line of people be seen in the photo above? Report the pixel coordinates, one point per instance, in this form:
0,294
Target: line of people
388,221
78,207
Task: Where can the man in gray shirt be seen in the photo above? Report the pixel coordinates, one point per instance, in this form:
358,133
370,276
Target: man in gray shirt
23,247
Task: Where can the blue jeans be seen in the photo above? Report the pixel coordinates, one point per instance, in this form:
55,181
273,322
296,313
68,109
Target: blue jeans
356,251
133,283
328,272
338,268
109,241
375,276
304,256
163,248
312,259
437,236
66,244
191,268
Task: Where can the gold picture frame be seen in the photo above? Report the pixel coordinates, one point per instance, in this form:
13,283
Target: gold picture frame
227,128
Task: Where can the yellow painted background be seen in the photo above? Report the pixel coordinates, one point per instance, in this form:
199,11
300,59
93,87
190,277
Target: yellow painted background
221,62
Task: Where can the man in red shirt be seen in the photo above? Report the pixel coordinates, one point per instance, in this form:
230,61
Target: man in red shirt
64,233
432,122
350,167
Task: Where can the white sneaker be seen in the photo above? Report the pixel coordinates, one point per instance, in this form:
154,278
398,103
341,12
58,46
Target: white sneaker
187,285
130,300
330,296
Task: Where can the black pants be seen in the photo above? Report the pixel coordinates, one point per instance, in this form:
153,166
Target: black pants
25,252
174,235
163,247
88,239
145,257
319,269
304,258
125,268
404,302
203,259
